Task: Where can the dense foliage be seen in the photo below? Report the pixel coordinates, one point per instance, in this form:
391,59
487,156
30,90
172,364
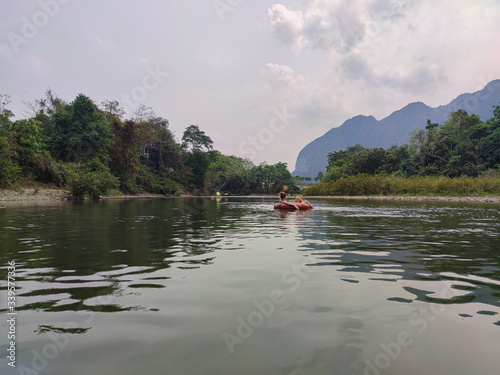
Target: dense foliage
91,150
463,146
462,149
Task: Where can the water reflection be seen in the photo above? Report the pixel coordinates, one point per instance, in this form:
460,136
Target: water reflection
425,244
175,274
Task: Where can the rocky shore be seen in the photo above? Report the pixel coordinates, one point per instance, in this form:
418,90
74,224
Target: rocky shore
32,194
46,194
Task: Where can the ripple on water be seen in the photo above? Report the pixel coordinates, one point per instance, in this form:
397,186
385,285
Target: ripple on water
177,288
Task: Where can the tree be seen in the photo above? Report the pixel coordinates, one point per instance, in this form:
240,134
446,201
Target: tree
196,139
456,148
399,160
228,173
29,146
112,108
319,176
340,163
491,143
461,136
198,162
368,161
8,165
143,114
271,178
124,154
4,102
145,154
163,152
430,154
298,180
80,132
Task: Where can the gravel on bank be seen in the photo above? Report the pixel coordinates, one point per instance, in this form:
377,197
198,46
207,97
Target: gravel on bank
32,194
492,199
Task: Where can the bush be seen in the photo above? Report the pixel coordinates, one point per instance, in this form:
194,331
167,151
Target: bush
45,169
114,192
8,167
130,188
158,184
83,183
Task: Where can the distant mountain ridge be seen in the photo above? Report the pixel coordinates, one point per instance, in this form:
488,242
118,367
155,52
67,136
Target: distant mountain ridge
394,129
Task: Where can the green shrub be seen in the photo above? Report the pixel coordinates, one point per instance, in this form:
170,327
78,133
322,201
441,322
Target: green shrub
130,188
8,167
44,168
114,192
82,183
154,183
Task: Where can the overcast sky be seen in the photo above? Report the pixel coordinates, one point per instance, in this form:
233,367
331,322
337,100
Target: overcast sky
261,78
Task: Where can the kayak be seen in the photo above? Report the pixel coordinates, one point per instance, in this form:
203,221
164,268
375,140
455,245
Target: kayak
282,206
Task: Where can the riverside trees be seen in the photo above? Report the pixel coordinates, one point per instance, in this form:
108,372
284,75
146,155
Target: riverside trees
462,146
91,150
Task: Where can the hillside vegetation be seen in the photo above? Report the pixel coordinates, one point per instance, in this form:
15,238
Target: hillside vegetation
460,157
393,129
93,150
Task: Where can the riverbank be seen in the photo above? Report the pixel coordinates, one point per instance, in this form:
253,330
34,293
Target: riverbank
493,199
45,194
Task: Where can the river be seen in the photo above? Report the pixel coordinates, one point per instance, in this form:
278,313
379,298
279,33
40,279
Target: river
231,286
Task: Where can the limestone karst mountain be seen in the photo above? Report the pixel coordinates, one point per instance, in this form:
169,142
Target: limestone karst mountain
394,129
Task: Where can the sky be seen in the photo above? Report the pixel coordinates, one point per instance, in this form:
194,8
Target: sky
261,78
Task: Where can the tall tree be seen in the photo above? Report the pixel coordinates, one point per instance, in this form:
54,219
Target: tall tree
8,165
491,143
124,154
80,132
112,108
196,139
228,173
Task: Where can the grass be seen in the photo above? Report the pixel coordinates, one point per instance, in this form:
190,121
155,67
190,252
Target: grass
363,184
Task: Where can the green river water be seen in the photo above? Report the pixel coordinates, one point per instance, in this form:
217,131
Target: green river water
198,286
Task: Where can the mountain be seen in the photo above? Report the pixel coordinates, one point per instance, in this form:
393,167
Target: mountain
394,129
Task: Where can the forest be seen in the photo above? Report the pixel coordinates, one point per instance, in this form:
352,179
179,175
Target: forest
460,157
93,150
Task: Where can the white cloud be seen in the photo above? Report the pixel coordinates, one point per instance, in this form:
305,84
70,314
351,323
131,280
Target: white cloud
408,46
287,25
316,103
340,25
324,60
281,76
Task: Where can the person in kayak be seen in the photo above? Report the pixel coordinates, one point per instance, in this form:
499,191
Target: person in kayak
297,201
